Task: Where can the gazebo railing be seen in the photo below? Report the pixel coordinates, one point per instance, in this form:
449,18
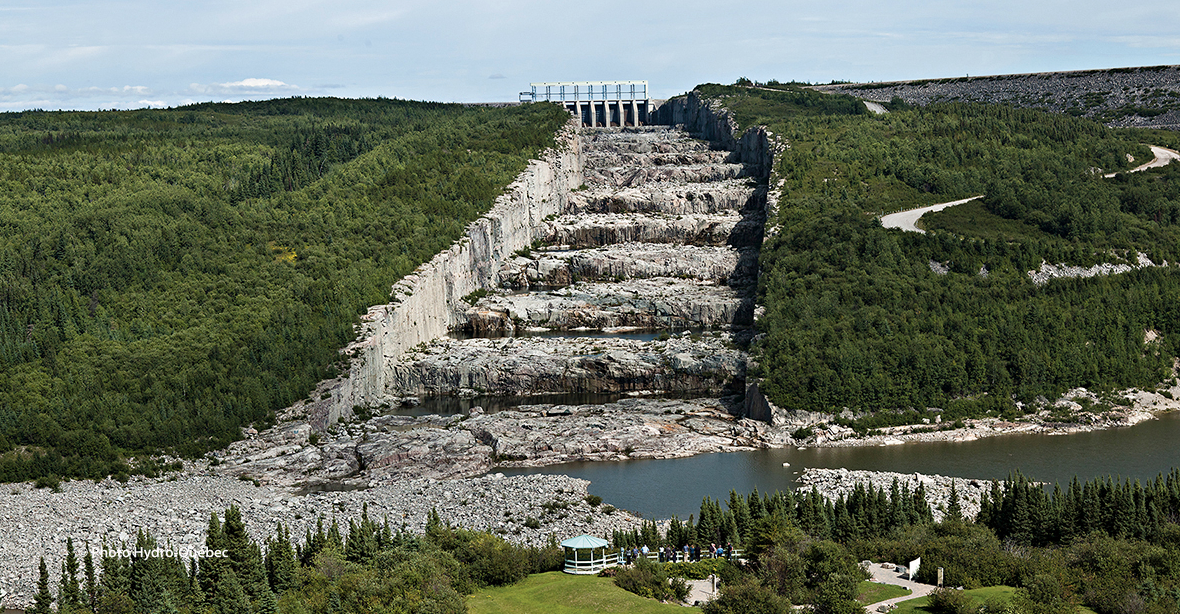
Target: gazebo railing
593,565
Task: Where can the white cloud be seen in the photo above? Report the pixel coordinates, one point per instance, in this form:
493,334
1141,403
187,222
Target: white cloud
246,87
256,83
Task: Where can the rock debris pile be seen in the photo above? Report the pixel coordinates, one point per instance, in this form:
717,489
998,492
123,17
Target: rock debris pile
833,483
36,523
1147,97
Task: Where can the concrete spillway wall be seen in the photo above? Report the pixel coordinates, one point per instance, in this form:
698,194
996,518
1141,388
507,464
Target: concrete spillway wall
429,302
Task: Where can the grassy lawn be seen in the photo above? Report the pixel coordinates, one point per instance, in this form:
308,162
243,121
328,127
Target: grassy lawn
560,593
872,592
979,595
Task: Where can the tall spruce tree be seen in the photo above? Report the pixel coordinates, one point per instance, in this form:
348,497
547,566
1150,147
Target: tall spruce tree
43,599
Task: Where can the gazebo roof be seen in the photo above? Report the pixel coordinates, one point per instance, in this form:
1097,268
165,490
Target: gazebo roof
585,541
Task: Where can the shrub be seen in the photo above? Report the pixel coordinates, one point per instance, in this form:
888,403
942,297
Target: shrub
593,500
747,597
950,601
647,579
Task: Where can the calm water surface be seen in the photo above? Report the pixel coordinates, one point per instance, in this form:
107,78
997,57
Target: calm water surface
660,488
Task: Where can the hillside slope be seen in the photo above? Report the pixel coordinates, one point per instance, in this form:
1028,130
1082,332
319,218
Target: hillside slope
167,276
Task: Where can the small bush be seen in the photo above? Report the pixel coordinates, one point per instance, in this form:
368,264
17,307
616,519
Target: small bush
593,500
648,579
747,597
49,481
950,601
532,523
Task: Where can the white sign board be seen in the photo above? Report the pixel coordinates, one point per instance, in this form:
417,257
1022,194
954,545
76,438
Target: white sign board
914,567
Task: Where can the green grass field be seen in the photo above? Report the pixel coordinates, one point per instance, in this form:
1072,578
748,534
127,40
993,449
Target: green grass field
872,592
979,595
560,593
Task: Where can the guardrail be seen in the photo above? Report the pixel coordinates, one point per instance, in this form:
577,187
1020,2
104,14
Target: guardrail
654,556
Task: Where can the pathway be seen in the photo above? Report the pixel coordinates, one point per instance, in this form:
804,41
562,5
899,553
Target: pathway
907,220
1163,157
887,575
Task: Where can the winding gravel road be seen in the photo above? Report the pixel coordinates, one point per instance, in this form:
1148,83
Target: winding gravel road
906,220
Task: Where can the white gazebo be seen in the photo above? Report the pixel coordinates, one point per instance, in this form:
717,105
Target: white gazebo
586,554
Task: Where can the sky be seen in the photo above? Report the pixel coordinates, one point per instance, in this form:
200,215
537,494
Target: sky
129,54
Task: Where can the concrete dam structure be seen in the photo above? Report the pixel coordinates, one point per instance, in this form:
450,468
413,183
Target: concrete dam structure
598,312
597,103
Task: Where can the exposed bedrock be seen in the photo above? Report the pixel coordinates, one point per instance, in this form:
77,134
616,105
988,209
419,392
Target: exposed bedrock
631,261
607,156
629,176
532,365
650,304
428,302
536,435
710,120
599,229
389,449
676,199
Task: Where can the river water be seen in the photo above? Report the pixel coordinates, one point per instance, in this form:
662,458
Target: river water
661,488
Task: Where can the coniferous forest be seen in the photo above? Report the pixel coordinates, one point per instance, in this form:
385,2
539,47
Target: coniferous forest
856,317
167,276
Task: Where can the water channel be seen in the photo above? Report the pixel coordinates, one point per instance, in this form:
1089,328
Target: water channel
661,488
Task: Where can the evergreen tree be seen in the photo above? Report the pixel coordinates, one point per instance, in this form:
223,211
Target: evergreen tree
741,514
68,590
334,540
148,582
91,587
43,599
228,597
280,561
954,509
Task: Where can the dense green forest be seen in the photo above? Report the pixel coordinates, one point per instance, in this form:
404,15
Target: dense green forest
167,276
1110,546
855,316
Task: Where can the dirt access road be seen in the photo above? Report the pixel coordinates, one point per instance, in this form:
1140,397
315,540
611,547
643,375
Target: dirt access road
907,220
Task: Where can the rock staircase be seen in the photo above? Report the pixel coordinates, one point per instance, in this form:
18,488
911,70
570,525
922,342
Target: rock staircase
617,335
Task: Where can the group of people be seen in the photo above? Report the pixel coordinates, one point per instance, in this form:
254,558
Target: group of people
670,554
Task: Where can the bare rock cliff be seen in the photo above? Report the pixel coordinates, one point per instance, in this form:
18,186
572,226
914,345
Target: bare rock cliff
429,302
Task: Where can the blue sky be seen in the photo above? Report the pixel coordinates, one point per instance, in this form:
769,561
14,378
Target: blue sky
137,53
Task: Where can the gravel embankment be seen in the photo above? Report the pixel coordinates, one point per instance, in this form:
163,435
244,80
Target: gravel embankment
36,523
1116,96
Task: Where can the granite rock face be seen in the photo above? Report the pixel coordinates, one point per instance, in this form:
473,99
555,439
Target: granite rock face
531,365
650,304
